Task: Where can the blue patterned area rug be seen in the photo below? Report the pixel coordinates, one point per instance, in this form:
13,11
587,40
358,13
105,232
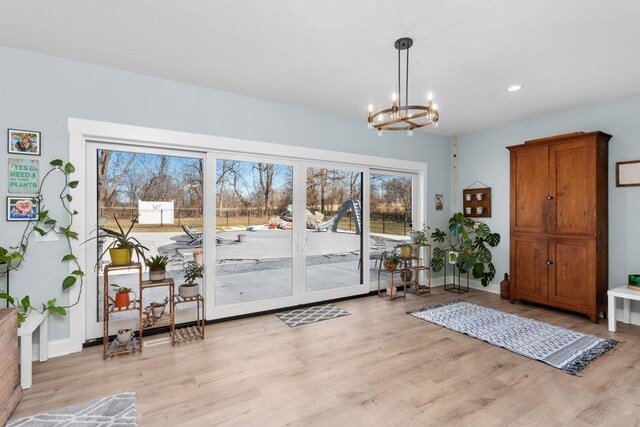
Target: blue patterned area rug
117,410
304,316
561,348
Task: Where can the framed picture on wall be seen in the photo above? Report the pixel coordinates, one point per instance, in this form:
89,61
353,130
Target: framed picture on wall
22,208
628,173
23,142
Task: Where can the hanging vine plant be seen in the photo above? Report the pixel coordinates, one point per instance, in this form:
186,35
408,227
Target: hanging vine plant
471,240
12,257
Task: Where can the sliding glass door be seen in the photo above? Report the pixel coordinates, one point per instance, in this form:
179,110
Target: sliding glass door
272,232
333,232
254,260
159,195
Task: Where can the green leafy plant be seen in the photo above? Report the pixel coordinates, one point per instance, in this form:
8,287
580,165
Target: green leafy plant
11,258
120,239
193,271
120,289
157,262
472,242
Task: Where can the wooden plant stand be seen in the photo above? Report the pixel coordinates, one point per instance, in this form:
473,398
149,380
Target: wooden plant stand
188,333
112,348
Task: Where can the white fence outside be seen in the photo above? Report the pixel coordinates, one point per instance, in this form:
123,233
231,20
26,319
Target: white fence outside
155,212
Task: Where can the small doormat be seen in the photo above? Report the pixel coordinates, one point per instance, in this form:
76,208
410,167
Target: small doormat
561,348
303,316
116,410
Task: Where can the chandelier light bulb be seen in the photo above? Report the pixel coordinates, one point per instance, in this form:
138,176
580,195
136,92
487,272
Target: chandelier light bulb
370,108
394,97
429,97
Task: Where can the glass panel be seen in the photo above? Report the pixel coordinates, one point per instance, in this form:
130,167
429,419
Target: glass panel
254,231
334,228
162,196
389,214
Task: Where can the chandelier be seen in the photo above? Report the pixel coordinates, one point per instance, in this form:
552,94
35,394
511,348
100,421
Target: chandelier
403,117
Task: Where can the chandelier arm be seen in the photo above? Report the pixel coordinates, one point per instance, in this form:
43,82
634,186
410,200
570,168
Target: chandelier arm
427,123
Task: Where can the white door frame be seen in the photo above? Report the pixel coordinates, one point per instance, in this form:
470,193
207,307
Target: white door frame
81,130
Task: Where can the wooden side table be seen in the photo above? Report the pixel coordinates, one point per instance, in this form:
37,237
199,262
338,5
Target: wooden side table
627,296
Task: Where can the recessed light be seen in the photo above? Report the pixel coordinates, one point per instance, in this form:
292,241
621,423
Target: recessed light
514,88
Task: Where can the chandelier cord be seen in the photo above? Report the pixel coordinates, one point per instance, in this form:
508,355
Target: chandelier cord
406,83
399,87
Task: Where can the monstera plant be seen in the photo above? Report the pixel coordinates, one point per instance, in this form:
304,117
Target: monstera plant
471,240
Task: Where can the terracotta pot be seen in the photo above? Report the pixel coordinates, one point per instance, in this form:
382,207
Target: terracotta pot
120,256
122,300
390,266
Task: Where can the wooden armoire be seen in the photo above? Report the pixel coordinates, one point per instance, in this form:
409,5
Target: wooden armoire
559,222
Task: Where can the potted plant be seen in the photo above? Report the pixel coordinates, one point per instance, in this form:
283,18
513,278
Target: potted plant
157,267
122,245
406,250
390,261
192,271
122,299
471,241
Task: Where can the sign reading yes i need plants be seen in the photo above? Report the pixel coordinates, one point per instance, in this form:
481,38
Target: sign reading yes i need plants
24,176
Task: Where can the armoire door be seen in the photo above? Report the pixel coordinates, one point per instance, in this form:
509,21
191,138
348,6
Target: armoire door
529,268
572,273
572,171
529,182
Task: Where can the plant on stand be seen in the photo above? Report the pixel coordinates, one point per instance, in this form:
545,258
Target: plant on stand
123,245
122,299
471,240
390,261
157,267
192,271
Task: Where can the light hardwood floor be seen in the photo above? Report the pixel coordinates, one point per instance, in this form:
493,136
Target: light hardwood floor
377,366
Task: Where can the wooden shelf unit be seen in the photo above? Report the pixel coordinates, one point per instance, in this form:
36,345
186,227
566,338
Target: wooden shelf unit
473,203
414,264
112,348
188,333
10,390
167,319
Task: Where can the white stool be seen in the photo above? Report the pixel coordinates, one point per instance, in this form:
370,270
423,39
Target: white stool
627,295
33,321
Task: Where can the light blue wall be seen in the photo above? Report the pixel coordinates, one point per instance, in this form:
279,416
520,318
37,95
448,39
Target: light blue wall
40,92
482,156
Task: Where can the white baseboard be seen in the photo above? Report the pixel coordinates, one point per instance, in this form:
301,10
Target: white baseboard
59,347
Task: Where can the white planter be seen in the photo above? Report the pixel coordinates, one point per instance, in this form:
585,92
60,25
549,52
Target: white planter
188,291
156,275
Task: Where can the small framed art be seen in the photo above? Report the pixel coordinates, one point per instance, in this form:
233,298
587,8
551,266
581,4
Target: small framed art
23,142
628,173
22,208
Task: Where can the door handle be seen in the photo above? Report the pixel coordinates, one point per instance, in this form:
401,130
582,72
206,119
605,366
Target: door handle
549,197
549,262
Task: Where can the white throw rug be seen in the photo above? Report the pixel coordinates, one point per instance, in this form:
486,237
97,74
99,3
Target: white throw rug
561,348
117,410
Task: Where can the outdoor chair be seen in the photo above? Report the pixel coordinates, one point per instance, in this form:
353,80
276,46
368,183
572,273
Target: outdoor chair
196,238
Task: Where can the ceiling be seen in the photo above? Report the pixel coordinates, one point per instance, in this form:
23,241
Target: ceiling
338,55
